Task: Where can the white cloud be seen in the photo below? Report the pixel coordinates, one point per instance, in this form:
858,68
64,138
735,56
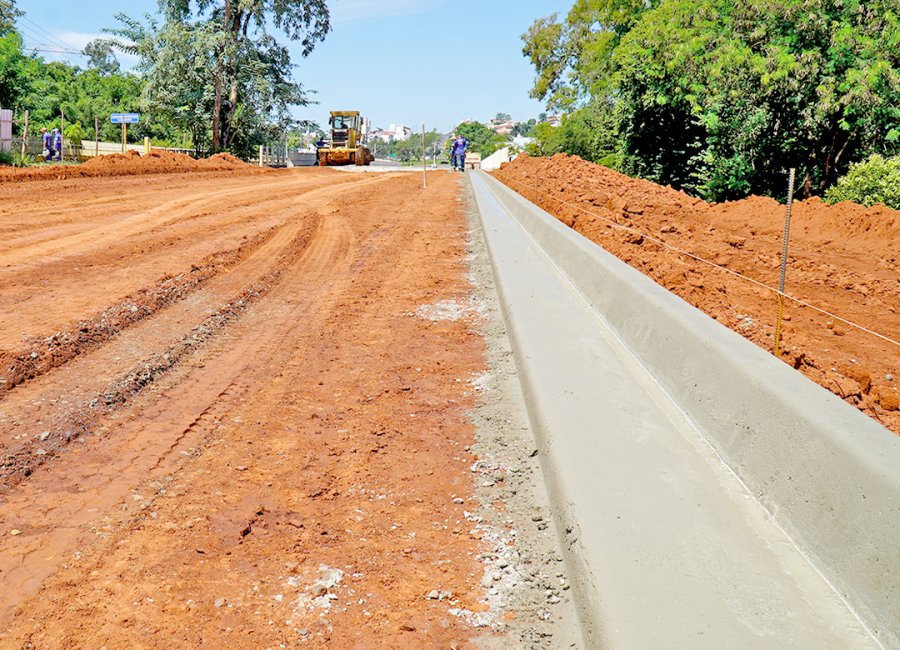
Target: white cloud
345,12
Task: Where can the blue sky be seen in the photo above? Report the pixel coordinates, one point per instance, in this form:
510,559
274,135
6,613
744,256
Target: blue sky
410,62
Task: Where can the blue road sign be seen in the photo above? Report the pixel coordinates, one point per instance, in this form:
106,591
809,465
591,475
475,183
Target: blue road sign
125,118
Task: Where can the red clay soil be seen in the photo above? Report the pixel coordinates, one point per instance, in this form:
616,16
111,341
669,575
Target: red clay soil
131,163
224,424
843,259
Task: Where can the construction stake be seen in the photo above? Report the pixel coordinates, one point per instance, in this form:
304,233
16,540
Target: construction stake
784,258
25,135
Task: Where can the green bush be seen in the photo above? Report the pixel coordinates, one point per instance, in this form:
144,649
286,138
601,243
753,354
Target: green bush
15,159
876,180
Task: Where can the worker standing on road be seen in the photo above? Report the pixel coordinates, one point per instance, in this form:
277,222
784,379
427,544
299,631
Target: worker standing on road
47,144
458,153
57,144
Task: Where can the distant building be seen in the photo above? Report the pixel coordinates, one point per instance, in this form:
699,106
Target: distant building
394,133
501,127
554,120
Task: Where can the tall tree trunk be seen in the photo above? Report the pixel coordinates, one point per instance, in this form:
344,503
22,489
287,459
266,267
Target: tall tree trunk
217,140
217,109
233,21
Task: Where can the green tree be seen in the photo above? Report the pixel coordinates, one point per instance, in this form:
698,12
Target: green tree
525,129
572,56
101,57
481,138
719,96
14,81
410,150
175,59
246,56
9,13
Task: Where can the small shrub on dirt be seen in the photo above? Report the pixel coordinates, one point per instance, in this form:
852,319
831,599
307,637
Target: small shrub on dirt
876,180
6,158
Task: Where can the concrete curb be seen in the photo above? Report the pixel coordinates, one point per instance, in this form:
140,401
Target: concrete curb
826,474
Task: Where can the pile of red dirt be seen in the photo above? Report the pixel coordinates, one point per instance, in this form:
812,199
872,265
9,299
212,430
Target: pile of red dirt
843,260
131,163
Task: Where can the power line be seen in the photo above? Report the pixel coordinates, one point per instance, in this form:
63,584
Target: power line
41,44
34,49
55,40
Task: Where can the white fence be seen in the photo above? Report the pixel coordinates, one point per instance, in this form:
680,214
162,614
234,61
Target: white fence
6,118
90,148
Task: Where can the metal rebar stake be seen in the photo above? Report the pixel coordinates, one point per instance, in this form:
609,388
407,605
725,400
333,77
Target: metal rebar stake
784,258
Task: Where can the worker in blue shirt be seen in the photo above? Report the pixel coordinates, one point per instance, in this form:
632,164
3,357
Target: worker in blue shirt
47,144
458,153
57,144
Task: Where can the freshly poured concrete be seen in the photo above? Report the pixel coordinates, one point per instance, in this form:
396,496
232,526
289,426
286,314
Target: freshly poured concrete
667,547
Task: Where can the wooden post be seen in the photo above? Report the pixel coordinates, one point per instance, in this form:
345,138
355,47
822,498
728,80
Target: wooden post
261,147
146,146
62,135
96,137
424,162
25,135
124,135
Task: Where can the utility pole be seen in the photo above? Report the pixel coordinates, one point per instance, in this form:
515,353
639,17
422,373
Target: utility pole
62,135
424,162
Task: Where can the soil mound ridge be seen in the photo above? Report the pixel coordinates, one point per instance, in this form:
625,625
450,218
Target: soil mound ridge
130,163
843,260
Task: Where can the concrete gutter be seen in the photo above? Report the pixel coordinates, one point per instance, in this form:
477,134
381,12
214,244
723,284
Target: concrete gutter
712,496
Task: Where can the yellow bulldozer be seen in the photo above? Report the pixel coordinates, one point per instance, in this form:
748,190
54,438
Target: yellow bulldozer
346,146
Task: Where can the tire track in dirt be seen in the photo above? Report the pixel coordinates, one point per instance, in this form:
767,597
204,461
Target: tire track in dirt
39,432
44,352
326,445
54,508
48,294
48,289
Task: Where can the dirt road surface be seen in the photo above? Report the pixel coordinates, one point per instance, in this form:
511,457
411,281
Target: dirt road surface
236,411
843,259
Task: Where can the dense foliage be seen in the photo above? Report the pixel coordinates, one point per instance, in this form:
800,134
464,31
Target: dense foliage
481,138
48,90
877,180
719,97
210,74
8,15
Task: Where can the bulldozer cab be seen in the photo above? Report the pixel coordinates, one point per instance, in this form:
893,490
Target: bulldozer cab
344,128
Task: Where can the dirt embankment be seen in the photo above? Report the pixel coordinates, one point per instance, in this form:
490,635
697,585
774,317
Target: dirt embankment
843,259
131,163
